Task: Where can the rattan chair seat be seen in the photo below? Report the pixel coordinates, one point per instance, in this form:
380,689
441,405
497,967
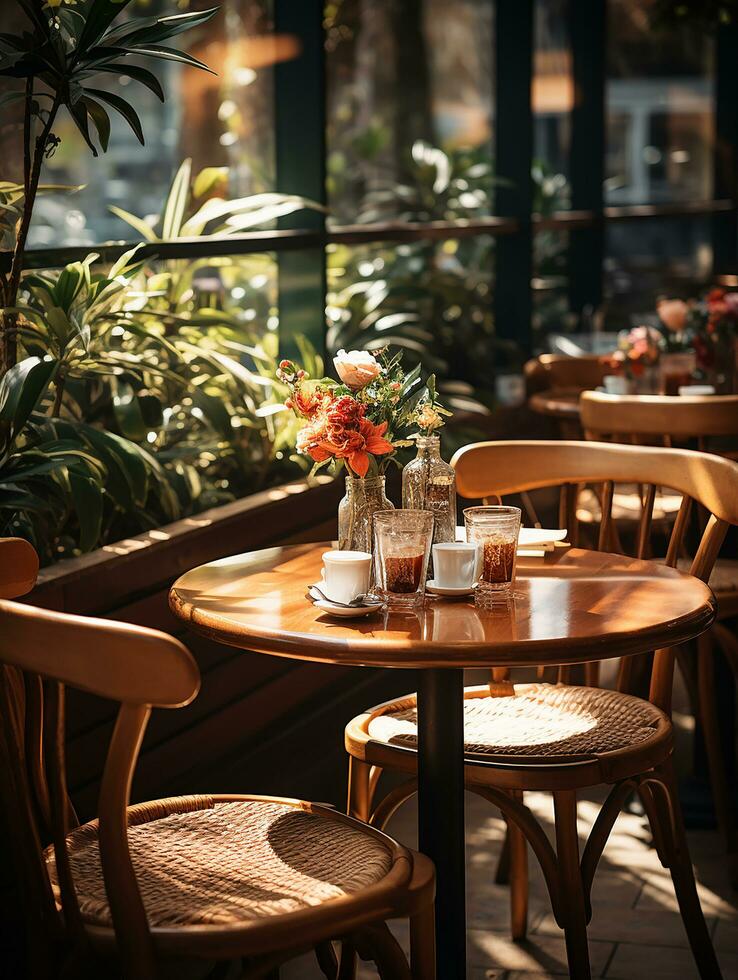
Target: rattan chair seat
549,720
221,863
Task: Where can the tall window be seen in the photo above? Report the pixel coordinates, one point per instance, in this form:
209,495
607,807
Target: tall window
408,155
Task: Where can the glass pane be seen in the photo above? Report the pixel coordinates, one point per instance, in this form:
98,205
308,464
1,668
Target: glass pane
550,282
433,300
406,80
659,108
648,259
553,97
217,120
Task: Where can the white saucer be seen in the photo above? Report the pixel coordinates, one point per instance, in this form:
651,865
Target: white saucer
347,612
430,586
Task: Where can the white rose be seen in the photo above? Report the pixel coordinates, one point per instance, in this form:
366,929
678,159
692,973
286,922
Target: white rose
356,368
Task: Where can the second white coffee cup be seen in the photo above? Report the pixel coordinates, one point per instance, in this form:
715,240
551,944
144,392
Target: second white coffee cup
456,564
346,574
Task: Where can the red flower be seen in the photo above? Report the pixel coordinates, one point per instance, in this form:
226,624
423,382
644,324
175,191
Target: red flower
339,429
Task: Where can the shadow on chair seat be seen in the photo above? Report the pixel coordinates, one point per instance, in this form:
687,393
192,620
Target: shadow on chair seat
209,862
557,722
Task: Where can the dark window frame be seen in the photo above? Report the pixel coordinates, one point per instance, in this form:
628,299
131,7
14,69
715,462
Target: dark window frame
300,122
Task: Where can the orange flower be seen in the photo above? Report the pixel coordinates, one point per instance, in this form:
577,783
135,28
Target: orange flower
340,430
374,443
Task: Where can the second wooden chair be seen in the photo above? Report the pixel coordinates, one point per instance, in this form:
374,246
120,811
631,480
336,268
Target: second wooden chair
209,878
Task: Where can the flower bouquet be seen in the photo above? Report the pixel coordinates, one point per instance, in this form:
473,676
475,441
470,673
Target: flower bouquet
359,422
713,324
637,352
709,327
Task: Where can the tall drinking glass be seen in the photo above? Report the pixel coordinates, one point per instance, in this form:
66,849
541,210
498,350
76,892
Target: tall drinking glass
402,543
495,531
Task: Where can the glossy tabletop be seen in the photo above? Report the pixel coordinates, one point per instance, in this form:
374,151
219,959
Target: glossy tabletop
571,606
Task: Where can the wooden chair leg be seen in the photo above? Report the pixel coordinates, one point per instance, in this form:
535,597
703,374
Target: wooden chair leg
377,943
359,800
573,905
327,960
347,962
670,815
518,879
423,944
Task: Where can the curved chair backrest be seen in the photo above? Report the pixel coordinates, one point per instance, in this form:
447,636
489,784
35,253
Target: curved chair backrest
662,416
552,371
41,651
491,470
18,567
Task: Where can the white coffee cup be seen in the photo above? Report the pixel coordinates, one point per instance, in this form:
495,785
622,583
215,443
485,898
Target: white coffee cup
696,390
346,574
615,384
456,564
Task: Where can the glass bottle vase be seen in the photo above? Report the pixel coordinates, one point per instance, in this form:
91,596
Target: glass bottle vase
363,497
429,483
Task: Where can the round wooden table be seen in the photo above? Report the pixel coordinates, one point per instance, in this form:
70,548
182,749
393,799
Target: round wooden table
557,403
572,606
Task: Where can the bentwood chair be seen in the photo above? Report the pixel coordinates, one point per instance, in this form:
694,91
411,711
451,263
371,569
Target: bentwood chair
557,372
579,737
197,879
712,422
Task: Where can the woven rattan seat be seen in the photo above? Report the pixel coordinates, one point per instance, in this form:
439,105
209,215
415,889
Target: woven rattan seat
223,863
539,720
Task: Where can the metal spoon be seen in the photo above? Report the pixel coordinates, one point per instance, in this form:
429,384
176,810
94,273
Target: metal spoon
357,602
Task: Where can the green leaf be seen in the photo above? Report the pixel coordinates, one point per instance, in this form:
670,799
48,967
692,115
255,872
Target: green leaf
171,54
100,15
128,411
125,264
87,497
207,179
120,105
176,201
137,73
78,112
101,120
214,411
22,388
159,28
70,282
138,223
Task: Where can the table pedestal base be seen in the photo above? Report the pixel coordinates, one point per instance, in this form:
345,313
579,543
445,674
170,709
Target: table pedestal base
441,809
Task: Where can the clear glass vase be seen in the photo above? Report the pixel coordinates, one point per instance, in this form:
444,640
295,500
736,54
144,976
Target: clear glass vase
429,483
363,498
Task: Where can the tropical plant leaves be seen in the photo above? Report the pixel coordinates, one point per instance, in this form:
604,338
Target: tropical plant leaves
68,47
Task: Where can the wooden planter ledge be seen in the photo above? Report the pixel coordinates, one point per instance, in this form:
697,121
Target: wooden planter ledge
102,581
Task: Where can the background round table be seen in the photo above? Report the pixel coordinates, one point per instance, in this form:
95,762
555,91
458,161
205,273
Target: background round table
557,403
572,606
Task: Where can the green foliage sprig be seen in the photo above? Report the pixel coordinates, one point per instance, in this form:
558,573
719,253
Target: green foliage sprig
65,49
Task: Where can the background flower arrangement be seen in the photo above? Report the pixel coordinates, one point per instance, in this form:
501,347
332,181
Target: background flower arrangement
709,326
638,350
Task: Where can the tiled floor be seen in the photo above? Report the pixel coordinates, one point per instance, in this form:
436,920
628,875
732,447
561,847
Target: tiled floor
636,931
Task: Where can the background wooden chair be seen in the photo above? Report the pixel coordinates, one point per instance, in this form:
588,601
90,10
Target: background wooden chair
627,743
556,372
711,422
211,878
